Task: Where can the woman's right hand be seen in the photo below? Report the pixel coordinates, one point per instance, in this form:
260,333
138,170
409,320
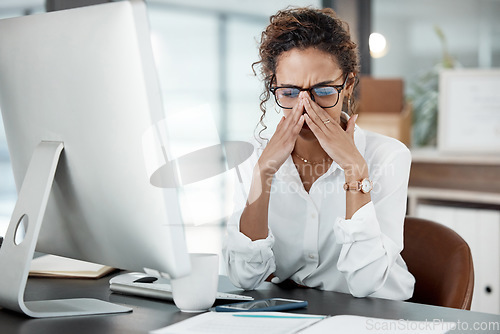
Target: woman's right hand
253,221
282,142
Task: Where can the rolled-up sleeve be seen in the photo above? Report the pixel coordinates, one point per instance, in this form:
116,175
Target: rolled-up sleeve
372,239
248,262
359,227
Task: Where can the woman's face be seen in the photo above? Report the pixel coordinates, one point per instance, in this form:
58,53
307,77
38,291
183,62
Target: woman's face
308,68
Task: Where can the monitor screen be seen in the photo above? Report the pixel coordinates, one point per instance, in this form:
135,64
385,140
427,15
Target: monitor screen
86,78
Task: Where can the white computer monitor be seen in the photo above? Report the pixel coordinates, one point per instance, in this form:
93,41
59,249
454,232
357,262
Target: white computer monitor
78,94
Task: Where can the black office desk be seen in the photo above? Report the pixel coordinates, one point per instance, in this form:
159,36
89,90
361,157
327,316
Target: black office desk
149,314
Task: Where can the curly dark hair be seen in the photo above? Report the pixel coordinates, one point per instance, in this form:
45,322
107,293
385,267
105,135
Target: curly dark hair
303,28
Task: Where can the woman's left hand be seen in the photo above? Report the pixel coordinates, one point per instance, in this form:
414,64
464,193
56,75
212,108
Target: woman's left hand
337,142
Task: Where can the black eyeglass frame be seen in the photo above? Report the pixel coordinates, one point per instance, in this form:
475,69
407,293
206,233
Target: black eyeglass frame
338,88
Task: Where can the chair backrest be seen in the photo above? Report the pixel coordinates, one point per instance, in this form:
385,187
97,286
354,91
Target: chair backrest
441,262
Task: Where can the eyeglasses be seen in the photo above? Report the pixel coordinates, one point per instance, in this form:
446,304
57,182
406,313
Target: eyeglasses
326,96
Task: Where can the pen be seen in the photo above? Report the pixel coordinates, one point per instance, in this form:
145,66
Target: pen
277,316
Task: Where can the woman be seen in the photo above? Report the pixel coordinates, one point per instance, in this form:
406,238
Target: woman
326,200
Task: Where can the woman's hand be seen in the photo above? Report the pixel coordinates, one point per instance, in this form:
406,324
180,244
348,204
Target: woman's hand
335,141
254,219
282,142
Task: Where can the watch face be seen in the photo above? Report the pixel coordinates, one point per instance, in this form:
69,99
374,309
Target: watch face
366,185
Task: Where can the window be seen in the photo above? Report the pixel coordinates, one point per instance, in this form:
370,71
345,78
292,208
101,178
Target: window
471,29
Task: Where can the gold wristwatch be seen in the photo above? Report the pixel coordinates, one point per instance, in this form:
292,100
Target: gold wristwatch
365,186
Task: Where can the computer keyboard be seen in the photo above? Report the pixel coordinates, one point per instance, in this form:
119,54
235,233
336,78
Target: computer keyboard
123,284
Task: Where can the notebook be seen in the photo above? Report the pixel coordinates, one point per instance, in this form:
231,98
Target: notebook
58,266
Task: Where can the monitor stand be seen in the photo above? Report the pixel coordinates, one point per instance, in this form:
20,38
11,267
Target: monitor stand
16,256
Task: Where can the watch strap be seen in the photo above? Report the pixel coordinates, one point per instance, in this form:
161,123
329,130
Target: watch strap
358,186
353,186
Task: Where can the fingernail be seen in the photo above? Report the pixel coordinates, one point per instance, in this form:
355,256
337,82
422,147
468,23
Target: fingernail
355,117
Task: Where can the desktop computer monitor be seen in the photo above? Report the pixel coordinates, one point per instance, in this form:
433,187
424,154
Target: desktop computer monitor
78,93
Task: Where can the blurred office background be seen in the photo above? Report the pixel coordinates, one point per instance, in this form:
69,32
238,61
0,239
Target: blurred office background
204,51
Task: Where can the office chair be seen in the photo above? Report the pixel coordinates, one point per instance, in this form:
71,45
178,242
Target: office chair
441,262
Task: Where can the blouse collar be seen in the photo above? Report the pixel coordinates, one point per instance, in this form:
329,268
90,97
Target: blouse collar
288,171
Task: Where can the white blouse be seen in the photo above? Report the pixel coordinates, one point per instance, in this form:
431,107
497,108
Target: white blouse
310,241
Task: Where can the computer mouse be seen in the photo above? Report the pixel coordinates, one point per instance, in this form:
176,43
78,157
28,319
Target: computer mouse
146,279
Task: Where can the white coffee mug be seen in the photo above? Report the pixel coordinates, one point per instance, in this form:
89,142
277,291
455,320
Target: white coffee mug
197,291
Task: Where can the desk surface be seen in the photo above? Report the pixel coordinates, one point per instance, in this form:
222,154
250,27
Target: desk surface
149,314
